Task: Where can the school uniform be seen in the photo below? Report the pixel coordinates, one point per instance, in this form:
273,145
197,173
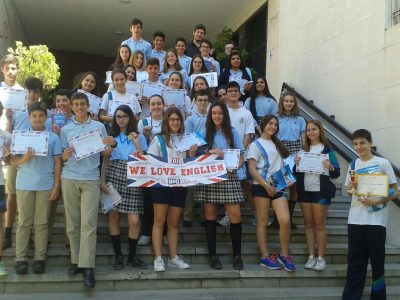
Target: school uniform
264,106
141,45
224,192
166,75
367,235
80,186
210,62
132,198
149,121
185,62
231,75
290,130
160,55
35,180
315,188
5,139
196,122
123,98
146,106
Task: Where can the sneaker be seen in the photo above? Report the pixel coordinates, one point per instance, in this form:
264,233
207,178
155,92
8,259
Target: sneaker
224,221
21,267
270,262
274,224
237,263
39,267
310,264
144,240
215,263
177,262
159,264
119,262
165,240
3,270
136,262
287,263
320,264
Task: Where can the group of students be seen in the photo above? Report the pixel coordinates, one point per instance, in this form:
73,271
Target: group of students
229,117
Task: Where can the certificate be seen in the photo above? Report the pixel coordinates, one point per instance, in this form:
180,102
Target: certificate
24,139
212,78
175,97
240,81
312,163
110,200
108,77
377,185
134,88
113,105
184,142
231,158
142,76
87,143
14,99
150,89
94,102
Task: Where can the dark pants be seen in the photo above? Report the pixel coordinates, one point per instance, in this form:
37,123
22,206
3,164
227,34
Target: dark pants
366,242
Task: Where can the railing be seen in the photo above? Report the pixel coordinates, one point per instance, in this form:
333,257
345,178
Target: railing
338,136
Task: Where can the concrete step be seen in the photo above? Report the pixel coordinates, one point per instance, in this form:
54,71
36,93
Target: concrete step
198,276
195,253
287,293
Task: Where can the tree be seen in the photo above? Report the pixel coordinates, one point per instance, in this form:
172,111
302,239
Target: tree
36,61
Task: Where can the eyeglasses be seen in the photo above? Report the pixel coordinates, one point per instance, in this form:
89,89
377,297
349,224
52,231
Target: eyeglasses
122,117
233,91
174,119
202,100
205,47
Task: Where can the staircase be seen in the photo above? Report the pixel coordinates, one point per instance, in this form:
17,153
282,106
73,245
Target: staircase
253,282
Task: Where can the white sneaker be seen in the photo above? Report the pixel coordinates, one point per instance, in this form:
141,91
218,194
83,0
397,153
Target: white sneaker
3,270
320,265
177,262
224,221
144,240
165,240
310,264
159,264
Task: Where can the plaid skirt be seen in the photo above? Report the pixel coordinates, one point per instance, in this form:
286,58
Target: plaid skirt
293,147
224,192
132,197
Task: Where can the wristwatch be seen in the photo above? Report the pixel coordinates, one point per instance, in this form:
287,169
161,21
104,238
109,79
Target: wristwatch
116,144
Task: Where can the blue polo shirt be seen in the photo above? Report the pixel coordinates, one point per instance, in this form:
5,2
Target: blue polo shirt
88,167
196,122
38,173
264,106
126,147
220,141
141,45
185,62
166,75
160,55
291,128
20,120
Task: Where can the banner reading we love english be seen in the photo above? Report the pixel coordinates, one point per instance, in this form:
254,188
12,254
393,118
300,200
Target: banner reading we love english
153,171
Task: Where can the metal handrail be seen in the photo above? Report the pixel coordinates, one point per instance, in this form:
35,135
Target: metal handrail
338,136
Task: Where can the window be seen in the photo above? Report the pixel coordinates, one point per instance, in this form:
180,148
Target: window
393,12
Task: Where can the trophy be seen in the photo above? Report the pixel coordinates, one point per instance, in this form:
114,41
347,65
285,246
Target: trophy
352,179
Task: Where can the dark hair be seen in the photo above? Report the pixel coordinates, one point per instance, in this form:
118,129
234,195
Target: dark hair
133,57
159,34
322,136
132,124
153,61
230,42
165,125
118,71
235,52
41,106
253,95
203,93
118,63
221,87
157,95
203,66
206,41
33,83
281,110
63,92
362,134
226,125
136,21
130,66
192,91
199,26
177,66
9,59
180,39
180,76
79,96
232,84
96,90
283,151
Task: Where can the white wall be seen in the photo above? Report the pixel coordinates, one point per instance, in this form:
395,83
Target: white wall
10,26
339,53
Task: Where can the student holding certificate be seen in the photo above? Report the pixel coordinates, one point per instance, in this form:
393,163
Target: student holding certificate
122,58
220,135
168,202
180,47
266,156
197,66
81,188
129,142
176,83
130,76
367,221
89,82
315,191
171,64
199,84
38,183
138,61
